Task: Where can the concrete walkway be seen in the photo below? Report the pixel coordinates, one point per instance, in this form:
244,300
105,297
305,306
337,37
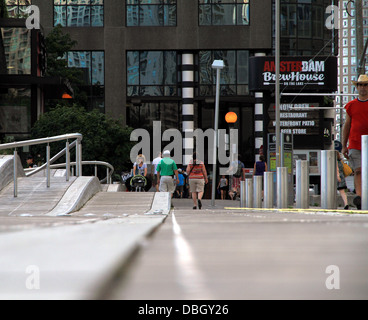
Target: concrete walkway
69,256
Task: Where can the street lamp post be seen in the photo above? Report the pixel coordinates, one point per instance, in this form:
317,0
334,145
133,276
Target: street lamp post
218,65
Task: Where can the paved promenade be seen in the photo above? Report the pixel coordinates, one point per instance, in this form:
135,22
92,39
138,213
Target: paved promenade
122,245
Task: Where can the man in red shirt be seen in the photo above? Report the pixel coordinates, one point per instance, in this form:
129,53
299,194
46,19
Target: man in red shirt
356,125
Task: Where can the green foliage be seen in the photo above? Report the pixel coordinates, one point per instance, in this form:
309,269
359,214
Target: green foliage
104,139
3,9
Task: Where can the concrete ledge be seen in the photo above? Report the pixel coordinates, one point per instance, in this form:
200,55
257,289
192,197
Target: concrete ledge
7,169
114,187
82,189
161,203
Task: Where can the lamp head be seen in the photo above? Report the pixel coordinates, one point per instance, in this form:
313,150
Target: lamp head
218,64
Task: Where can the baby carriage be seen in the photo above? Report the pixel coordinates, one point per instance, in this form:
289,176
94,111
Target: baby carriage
139,183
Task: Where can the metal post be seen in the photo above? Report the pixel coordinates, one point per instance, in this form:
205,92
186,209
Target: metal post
67,161
77,158
242,194
15,172
218,65
268,190
108,176
282,187
257,191
249,193
302,184
365,172
48,166
80,159
328,179
277,83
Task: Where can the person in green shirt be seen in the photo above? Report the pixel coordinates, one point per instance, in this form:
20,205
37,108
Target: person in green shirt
166,170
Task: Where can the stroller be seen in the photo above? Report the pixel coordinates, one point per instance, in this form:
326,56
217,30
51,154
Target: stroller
138,183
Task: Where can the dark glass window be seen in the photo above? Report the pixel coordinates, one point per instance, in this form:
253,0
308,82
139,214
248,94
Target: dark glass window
79,13
223,12
17,49
17,8
92,63
234,77
152,73
147,13
302,27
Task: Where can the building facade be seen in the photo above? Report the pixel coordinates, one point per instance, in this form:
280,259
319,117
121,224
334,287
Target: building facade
149,61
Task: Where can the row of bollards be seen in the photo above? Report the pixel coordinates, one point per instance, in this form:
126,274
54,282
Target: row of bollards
252,190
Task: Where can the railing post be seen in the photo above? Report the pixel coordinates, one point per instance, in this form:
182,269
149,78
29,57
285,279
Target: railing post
48,166
328,179
80,158
15,172
268,190
249,193
364,172
77,159
242,194
282,187
302,184
67,160
257,191
108,176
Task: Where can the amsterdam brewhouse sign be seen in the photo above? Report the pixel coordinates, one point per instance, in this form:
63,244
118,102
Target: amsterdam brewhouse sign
296,73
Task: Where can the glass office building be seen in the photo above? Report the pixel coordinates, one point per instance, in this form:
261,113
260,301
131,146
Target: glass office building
150,60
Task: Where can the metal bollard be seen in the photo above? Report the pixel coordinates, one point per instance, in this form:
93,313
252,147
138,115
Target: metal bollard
257,191
328,179
242,194
365,172
302,184
282,187
268,190
248,193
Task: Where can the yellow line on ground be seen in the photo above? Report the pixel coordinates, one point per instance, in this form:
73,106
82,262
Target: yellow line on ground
300,210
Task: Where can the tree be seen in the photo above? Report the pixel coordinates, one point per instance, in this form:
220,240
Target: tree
104,139
58,44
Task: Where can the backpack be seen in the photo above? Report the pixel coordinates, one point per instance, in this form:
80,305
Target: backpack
238,172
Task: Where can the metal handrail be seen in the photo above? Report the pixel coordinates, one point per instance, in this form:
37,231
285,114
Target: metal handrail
32,142
110,169
48,140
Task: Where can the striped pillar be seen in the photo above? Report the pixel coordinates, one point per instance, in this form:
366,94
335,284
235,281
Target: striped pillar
188,105
258,119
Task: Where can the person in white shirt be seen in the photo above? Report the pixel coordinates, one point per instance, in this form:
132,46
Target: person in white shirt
154,164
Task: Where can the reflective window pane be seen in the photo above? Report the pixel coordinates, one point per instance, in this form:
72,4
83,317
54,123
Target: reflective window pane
148,13
79,13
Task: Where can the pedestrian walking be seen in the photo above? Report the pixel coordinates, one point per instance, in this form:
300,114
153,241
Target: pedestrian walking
197,176
155,162
140,166
222,186
356,125
180,184
166,170
341,183
260,167
237,170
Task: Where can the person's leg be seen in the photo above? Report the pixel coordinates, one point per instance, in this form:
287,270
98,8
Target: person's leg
194,197
344,198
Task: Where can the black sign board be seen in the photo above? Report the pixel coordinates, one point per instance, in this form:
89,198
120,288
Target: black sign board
305,73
